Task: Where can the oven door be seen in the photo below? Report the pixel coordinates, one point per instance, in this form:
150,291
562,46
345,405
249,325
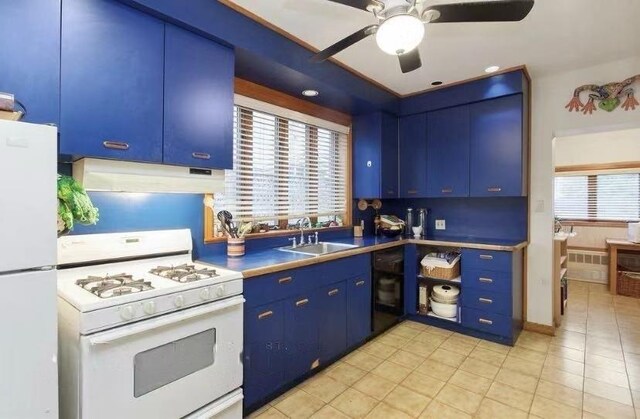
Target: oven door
166,367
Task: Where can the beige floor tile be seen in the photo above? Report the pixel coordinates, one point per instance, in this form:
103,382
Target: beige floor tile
405,332
517,380
436,369
536,343
608,391
568,353
466,339
363,360
523,366
576,341
607,408
323,387
528,354
447,357
300,405
407,400
604,362
406,359
491,409
606,375
510,396
284,396
606,352
560,393
345,373
354,403
423,384
384,411
487,355
459,398
574,367
550,409
416,325
268,413
437,410
438,331
562,377
471,382
328,412
480,368
393,340
455,345
392,372
430,338
496,347
374,386
422,349
379,349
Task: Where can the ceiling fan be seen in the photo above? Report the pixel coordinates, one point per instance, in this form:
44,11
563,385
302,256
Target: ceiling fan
401,23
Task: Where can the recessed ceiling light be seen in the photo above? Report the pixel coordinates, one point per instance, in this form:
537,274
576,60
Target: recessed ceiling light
491,69
310,93
436,83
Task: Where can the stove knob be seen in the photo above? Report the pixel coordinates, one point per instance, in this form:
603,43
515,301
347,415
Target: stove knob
179,301
205,294
127,313
220,291
149,307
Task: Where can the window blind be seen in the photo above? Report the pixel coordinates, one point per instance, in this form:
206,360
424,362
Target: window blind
598,197
284,169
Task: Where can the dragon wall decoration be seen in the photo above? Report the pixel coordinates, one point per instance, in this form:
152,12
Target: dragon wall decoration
608,95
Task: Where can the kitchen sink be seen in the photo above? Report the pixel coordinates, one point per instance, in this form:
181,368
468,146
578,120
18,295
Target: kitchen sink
318,249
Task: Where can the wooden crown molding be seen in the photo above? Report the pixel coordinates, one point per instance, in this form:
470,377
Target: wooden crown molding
599,166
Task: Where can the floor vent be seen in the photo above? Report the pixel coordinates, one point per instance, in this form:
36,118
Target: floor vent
591,266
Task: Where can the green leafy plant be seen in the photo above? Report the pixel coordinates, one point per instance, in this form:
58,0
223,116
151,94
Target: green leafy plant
74,205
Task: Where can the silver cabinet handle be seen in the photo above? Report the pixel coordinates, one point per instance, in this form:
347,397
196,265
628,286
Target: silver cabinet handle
201,156
333,292
485,280
285,280
494,189
302,302
447,190
265,315
115,145
412,191
486,257
485,300
359,283
485,321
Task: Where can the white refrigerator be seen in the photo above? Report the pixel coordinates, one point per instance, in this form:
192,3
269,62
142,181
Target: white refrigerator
28,317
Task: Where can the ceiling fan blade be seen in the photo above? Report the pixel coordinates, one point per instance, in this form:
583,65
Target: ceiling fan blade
482,11
344,43
366,5
410,61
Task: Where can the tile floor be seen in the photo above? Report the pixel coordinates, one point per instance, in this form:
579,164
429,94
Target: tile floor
590,369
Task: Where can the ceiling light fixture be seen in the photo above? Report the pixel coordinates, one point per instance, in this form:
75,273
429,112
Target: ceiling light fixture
491,69
310,93
400,34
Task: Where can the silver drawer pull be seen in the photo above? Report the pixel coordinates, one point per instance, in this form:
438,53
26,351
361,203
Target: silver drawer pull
447,190
201,156
486,280
390,192
485,321
485,300
333,292
494,189
412,191
486,257
265,315
359,283
300,303
284,280
115,145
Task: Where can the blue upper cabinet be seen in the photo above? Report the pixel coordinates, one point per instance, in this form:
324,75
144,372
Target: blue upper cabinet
448,157
112,81
30,56
413,156
375,156
498,147
198,106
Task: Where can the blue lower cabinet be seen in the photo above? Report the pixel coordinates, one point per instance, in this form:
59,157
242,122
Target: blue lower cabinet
489,260
495,324
489,301
263,352
332,326
358,309
301,335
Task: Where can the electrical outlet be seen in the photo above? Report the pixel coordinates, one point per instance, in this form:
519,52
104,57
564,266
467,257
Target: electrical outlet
441,225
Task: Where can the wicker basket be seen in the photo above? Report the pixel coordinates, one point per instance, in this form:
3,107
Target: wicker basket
441,272
629,283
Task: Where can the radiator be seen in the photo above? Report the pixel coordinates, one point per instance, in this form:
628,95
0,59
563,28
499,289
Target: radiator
587,265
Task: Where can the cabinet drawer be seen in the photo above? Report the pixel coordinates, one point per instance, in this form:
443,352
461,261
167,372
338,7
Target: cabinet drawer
493,281
489,260
345,268
496,324
489,301
280,285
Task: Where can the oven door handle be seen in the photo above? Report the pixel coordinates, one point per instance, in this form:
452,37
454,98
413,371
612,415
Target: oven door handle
163,321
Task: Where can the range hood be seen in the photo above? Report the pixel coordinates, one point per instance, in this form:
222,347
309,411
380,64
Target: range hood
123,176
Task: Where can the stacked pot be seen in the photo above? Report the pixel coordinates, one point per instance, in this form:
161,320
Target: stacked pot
444,300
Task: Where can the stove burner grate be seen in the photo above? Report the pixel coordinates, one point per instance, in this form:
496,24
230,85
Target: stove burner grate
184,273
113,285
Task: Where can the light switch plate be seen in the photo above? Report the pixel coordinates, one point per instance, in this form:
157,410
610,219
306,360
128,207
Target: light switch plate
441,225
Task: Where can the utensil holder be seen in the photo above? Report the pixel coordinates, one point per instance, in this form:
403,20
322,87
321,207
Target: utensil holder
235,247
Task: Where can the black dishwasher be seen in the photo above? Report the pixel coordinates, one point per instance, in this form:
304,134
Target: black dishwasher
388,295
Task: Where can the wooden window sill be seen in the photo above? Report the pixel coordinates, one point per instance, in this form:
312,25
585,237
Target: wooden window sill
595,223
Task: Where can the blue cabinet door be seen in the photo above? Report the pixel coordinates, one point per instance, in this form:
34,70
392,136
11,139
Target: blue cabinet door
198,106
263,352
448,157
112,81
413,156
30,56
497,147
358,309
389,157
302,342
333,325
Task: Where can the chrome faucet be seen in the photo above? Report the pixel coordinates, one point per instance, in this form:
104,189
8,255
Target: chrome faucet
294,245
302,221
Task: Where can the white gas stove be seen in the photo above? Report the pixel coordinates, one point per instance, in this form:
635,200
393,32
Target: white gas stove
138,315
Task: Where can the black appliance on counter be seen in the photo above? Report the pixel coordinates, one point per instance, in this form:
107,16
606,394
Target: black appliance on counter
388,289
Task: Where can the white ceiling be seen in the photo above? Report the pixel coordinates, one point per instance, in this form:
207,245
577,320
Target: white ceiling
557,35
